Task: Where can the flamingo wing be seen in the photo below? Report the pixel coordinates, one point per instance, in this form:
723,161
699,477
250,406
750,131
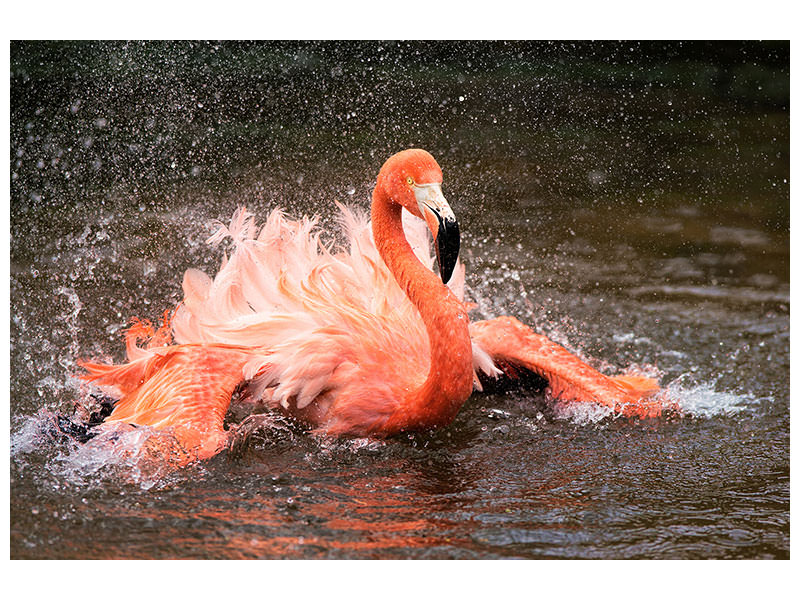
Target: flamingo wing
516,349
185,389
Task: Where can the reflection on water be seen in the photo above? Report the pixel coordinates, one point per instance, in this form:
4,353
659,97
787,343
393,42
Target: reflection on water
632,205
561,492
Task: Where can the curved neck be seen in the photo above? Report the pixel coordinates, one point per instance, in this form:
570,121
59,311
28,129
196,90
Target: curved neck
449,380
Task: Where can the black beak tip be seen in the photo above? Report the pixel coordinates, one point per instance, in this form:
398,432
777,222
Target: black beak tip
448,243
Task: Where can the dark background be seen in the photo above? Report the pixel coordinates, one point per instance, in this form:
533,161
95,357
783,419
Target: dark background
149,117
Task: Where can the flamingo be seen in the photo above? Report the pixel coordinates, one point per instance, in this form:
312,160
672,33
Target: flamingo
361,340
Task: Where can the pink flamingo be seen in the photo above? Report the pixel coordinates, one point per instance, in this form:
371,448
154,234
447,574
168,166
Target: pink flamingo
363,341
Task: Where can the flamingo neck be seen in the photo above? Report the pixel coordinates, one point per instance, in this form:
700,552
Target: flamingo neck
449,380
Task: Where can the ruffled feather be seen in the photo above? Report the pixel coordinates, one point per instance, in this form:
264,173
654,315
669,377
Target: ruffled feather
310,314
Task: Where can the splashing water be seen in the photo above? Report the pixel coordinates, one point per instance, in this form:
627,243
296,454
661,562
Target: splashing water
705,401
141,456
696,400
581,413
137,455
129,453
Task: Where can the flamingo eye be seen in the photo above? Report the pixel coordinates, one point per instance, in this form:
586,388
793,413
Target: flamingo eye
410,180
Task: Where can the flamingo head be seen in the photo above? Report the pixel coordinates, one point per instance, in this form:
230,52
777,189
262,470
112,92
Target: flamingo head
413,179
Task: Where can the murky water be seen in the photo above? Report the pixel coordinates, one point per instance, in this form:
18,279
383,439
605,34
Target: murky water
630,201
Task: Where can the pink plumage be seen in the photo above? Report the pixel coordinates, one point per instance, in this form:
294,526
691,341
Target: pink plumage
311,314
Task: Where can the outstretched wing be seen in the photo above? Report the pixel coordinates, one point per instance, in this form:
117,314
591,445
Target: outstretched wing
514,346
185,388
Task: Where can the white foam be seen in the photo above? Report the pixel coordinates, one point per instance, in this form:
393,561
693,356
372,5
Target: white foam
139,455
691,399
704,400
581,413
29,435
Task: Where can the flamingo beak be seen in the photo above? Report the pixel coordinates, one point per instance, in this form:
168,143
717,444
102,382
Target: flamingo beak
443,225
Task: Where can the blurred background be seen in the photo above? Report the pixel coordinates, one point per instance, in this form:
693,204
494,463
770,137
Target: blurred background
601,120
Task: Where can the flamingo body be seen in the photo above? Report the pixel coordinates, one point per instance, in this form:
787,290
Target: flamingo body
361,339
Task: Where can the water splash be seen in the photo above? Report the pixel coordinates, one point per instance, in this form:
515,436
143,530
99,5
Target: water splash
138,455
141,456
705,401
686,397
30,433
581,413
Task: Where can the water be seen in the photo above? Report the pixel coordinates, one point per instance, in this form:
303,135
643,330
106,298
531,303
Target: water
629,200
